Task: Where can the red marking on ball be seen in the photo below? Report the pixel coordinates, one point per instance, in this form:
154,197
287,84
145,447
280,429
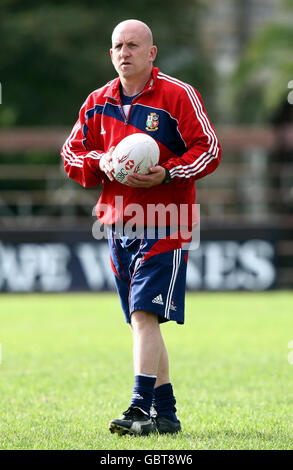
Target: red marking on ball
129,165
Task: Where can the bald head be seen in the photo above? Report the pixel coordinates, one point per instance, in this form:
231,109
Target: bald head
136,27
133,54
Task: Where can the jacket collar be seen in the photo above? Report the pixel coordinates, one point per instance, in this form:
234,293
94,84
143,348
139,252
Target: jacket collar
113,90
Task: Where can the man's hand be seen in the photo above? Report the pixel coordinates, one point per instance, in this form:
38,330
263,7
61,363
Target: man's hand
106,164
155,176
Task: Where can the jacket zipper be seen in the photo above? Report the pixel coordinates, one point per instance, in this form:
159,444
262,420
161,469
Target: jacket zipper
126,119
120,108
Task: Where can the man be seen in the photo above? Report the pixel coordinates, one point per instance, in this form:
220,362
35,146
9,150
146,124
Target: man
149,272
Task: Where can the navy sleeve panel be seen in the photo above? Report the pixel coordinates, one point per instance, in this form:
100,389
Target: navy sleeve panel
166,133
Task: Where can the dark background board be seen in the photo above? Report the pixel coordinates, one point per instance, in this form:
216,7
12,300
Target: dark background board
228,260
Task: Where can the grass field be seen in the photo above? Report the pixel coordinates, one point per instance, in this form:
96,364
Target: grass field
67,370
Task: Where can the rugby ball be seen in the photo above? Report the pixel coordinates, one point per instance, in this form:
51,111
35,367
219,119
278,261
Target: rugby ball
136,153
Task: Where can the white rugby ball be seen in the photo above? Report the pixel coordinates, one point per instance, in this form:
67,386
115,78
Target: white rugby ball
136,153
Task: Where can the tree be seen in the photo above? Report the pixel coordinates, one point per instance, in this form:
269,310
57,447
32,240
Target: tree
260,83
54,53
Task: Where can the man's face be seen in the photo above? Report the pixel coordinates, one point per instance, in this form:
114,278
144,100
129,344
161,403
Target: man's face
132,52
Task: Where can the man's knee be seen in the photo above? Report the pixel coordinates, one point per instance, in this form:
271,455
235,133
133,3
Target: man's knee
142,319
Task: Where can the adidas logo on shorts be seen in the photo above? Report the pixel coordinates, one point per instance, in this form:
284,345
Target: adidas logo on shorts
158,300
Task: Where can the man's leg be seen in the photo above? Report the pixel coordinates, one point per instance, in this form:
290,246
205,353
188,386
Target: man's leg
151,368
147,346
163,368
148,343
163,365
164,400
151,359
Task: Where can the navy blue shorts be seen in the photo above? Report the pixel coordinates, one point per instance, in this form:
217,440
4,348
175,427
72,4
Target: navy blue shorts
149,275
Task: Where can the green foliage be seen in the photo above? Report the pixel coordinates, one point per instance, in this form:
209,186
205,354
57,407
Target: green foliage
54,53
260,83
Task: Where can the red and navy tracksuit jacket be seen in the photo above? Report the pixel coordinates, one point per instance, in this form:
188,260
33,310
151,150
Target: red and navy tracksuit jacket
170,111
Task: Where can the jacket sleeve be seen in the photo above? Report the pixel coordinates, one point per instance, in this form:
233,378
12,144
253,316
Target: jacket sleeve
82,151
203,149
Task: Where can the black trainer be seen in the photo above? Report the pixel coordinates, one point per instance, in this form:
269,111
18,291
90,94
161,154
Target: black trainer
133,421
165,425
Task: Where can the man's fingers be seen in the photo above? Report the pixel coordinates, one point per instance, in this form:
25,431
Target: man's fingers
108,167
136,177
110,176
111,151
138,183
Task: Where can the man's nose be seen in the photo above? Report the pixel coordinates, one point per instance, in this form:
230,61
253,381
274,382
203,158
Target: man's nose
124,51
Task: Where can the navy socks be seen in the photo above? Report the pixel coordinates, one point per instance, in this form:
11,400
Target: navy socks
162,397
143,391
164,402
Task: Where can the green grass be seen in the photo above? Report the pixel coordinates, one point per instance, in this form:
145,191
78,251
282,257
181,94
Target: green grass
67,370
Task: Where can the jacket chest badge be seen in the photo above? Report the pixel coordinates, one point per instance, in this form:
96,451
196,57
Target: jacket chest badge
152,122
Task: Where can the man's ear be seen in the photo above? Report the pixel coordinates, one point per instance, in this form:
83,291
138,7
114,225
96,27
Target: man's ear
153,53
